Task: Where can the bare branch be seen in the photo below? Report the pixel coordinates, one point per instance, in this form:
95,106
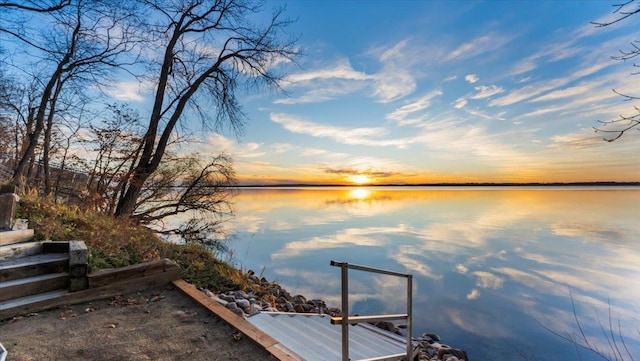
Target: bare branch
44,8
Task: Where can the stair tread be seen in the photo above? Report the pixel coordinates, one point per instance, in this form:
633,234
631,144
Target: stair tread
24,281
15,236
18,250
41,258
17,302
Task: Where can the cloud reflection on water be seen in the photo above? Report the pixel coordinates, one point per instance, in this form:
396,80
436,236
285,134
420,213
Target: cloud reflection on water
477,255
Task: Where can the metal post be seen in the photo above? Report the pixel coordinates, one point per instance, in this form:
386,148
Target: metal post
345,312
409,312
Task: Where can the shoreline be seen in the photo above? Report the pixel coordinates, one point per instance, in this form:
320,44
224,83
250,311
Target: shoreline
266,296
451,184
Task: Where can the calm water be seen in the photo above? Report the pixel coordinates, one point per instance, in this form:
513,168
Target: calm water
491,266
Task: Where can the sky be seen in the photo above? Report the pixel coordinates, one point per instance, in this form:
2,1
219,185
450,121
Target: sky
409,92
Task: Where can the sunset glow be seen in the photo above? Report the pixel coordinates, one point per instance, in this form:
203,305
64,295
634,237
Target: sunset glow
423,92
360,179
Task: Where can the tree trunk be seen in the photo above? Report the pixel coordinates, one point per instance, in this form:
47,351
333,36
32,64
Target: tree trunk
32,139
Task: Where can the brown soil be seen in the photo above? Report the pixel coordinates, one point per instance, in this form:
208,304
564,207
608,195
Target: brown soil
158,324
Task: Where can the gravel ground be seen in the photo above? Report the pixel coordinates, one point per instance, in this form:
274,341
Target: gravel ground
157,324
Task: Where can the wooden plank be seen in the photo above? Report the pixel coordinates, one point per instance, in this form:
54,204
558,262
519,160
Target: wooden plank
33,265
32,285
14,237
115,275
270,344
18,302
123,286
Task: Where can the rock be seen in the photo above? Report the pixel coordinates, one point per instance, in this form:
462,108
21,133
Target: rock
298,308
240,294
233,307
307,308
432,336
388,326
299,299
227,298
243,303
289,307
452,354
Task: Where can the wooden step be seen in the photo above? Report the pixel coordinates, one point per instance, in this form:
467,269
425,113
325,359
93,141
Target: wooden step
35,265
33,285
14,306
13,251
14,237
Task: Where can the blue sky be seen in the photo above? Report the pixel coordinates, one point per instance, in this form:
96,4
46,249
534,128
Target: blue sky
441,91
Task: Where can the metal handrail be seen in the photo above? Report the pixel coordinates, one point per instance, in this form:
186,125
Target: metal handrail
345,320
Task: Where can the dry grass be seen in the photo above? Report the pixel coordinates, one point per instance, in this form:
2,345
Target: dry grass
117,242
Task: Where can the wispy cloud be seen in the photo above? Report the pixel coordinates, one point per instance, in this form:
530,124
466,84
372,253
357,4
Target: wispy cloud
460,103
340,134
480,45
421,103
395,80
325,83
133,91
372,136
471,78
341,70
486,91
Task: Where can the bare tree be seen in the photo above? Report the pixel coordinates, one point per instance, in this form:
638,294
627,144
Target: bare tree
616,128
113,145
86,38
208,48
190,186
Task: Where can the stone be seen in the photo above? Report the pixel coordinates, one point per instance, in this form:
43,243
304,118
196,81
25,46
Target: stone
307,308
227,298
299,299
243,303
240,294
452,354
432,336
289,307
233,307
8,205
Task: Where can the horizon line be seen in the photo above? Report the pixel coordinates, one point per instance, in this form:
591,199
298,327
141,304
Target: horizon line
448,184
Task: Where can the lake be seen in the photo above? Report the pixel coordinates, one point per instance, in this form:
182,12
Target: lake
496,270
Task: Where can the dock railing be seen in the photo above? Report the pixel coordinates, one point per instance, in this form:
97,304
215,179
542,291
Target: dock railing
347,320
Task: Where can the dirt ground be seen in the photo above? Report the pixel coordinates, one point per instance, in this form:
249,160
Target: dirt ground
157,324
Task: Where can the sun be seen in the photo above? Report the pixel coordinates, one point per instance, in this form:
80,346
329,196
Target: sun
359,179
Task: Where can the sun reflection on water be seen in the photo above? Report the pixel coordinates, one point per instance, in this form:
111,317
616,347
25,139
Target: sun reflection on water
359,193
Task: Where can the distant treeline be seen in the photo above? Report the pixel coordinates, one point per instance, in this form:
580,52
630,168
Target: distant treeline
507,184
